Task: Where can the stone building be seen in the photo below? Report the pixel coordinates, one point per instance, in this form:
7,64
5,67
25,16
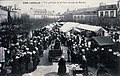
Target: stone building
86,15
43,13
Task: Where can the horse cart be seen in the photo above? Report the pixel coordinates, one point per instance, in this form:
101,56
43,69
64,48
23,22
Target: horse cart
55,51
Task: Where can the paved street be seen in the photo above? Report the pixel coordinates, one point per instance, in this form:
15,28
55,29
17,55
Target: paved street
46,68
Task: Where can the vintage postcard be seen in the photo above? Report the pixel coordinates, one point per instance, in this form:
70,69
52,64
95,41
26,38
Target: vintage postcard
59,37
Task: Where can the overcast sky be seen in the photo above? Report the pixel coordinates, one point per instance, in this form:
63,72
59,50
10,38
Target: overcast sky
61,6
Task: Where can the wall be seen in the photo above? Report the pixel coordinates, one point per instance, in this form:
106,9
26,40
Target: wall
3,15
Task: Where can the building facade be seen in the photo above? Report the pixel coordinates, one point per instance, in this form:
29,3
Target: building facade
108,10
86,14
43,13
103,15
3,14
109,15
68,15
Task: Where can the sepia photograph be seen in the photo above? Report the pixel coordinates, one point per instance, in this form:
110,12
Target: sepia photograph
59,37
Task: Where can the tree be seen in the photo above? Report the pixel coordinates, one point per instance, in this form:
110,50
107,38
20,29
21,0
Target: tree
25,18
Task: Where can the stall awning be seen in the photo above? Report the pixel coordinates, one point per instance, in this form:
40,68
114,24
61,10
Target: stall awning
71,25
48,27
95,29
51,25
68,26
103,41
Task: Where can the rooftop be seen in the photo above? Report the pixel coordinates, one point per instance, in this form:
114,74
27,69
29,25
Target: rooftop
89,11
108,7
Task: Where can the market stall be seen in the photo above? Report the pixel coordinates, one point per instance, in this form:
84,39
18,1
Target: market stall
97,29
75,70
68,26
103,41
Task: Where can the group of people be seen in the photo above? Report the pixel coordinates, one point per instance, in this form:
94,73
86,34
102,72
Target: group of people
25,51
82,50
114,36
76,48
22,52
28,51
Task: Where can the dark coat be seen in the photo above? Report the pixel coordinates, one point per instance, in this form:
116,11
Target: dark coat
62,66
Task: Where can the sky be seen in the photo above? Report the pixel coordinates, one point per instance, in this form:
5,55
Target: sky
56,5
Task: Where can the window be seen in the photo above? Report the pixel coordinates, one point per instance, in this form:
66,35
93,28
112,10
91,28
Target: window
107,7
88,12
112,6
81,16
111,13
94,12
101,14
106,14
74,17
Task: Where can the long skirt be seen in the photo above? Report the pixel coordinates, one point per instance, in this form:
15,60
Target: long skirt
61,70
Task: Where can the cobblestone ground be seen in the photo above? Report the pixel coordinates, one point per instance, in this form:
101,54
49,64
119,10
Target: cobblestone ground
46,68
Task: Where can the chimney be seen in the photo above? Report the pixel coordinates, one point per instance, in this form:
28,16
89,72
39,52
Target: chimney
102,4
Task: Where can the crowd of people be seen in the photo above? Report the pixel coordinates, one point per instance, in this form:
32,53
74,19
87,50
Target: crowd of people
84,51
24,52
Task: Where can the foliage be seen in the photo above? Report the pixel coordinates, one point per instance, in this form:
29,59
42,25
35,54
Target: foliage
39,23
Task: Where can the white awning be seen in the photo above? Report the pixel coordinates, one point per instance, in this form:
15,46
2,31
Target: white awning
72,25
68,26
48,27
95,29
51,25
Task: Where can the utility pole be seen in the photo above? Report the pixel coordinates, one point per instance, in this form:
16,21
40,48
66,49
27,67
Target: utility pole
9,18
9,23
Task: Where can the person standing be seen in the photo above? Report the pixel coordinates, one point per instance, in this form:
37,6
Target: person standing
68,53
62,66
2,57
